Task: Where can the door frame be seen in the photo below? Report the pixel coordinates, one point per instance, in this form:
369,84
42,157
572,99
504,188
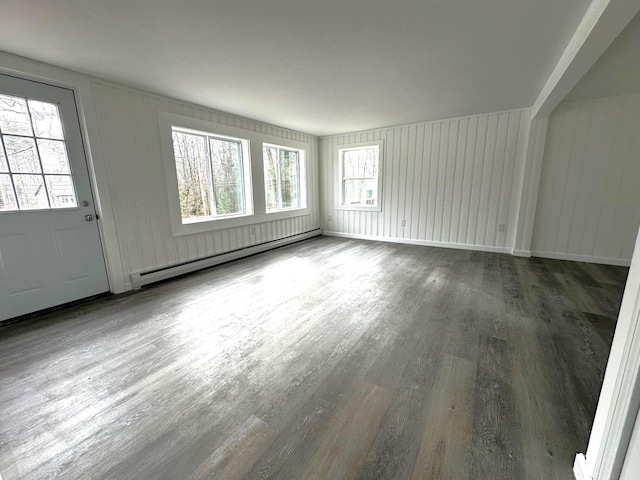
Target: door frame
620,395
80,85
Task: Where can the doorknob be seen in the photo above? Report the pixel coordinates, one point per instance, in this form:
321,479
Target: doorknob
88,218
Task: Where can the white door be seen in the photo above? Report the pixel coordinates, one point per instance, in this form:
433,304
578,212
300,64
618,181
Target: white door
50,251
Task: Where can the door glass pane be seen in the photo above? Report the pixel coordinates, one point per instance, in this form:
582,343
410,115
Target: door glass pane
46,119
226,160
3,160
7,197
61,192
22,154
31,192
14,116
34,156
289,178
53,154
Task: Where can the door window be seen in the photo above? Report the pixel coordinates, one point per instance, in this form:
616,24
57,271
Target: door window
34,165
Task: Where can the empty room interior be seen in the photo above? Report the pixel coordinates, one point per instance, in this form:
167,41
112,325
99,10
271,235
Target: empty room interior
320,240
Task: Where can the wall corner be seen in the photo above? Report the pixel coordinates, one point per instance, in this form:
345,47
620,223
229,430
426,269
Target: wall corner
527,184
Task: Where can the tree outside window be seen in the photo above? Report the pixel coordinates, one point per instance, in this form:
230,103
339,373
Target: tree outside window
281,177
210,175
359,171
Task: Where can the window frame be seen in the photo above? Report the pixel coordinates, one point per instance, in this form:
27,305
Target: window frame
302,190
339,186
167,122
245,173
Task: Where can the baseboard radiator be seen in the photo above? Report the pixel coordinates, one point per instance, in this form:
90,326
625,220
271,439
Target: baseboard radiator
140,279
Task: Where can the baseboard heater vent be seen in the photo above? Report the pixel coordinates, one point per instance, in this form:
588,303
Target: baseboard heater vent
140,279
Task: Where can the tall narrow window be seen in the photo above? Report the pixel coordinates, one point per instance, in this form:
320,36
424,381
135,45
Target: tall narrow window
34,165
282,167
359,178
211,175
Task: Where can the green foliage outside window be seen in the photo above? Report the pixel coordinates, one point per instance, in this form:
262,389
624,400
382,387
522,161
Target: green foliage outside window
210,175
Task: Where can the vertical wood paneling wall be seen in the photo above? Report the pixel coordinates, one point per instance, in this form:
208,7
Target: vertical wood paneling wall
451,180
589,198
128,138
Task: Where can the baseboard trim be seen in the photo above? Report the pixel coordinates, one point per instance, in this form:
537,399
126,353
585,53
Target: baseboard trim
620,262
580,468
425,243
521,253
140,279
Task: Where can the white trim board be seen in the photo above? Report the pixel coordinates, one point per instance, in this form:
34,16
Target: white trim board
620,262
580,468
425,243
618,403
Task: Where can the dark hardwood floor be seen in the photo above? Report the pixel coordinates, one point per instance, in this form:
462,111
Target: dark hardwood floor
328,359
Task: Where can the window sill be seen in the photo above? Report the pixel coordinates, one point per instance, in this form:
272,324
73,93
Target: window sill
191,221
236,221
360,208
285,210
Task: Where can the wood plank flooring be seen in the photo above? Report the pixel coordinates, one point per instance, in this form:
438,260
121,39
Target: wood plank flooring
328,359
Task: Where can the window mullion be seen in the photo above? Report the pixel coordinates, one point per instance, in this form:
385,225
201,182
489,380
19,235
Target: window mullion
242,179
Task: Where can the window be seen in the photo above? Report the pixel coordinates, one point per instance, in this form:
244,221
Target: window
282,175
212,175
211,170
359,176
34,165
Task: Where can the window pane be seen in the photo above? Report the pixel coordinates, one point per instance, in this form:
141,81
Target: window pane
226,161
31,192
61,191
360,163
270,177
289,182
46,119
14,116
4,167
53,154
22,154
360,192
7,197
192,168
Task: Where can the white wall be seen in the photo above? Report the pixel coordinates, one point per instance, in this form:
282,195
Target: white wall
589,200
127,142
452,180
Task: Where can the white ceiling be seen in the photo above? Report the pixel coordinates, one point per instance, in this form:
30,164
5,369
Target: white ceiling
321,67
617,71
